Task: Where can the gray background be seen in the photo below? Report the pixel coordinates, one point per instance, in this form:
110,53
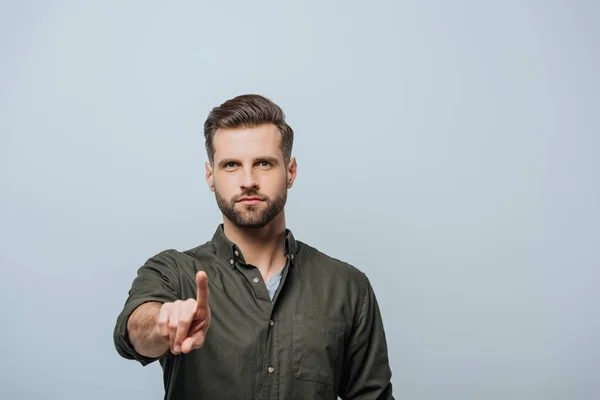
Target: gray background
446,148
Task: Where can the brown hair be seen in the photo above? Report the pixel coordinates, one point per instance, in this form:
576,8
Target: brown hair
248,111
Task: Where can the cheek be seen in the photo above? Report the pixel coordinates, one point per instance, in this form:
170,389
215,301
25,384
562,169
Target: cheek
225,183
275,184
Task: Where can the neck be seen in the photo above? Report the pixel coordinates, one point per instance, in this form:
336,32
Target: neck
262,247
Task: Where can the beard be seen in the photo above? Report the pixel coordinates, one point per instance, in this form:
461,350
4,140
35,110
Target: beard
252,216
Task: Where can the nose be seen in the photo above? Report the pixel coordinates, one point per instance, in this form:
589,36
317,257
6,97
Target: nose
250,183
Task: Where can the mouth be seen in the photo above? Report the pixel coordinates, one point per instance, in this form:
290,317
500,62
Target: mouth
250,200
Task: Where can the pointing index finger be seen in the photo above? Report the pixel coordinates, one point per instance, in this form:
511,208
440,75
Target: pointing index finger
202,296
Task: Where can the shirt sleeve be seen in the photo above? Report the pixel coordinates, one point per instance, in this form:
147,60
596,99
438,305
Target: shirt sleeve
157,280
367,374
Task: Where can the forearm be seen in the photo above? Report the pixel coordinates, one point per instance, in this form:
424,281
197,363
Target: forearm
143,332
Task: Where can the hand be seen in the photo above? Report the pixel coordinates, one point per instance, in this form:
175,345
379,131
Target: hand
185,323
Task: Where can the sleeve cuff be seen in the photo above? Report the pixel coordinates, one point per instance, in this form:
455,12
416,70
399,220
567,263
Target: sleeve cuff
121,337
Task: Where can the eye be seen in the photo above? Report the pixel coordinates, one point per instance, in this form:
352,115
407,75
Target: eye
264,164
230,164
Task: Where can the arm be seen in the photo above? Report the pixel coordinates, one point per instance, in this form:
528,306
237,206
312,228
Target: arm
144,335
153,327
181,324
367,374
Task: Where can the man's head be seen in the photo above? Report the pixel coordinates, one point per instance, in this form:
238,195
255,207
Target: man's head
250,166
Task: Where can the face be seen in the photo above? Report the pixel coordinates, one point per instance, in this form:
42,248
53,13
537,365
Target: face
249,176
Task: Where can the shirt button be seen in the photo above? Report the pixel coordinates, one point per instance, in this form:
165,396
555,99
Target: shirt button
255,279
271,323
231,261
237,253
271,370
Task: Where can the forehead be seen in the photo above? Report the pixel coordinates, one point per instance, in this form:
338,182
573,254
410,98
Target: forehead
263,140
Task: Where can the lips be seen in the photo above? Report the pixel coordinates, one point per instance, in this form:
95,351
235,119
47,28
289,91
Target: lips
250,200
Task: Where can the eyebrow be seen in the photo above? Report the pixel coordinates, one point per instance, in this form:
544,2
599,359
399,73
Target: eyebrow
272,160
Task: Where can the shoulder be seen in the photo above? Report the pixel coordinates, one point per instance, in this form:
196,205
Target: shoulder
312,258
176,260
174,256
333,284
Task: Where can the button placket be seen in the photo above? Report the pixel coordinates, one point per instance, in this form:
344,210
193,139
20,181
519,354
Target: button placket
272,363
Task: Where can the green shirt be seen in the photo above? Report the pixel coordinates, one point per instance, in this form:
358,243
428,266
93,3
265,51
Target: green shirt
320,337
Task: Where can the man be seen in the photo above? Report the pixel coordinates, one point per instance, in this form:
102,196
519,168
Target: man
254,313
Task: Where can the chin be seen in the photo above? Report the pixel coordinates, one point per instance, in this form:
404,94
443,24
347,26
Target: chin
250,208
251,224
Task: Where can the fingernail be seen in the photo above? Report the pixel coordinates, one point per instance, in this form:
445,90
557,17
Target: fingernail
177,348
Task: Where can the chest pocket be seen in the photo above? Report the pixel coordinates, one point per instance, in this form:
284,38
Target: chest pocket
317,348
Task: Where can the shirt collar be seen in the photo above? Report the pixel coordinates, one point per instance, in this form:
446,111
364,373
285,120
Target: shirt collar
228,250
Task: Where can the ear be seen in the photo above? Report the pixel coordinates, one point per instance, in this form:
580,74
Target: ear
209,176
292,168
